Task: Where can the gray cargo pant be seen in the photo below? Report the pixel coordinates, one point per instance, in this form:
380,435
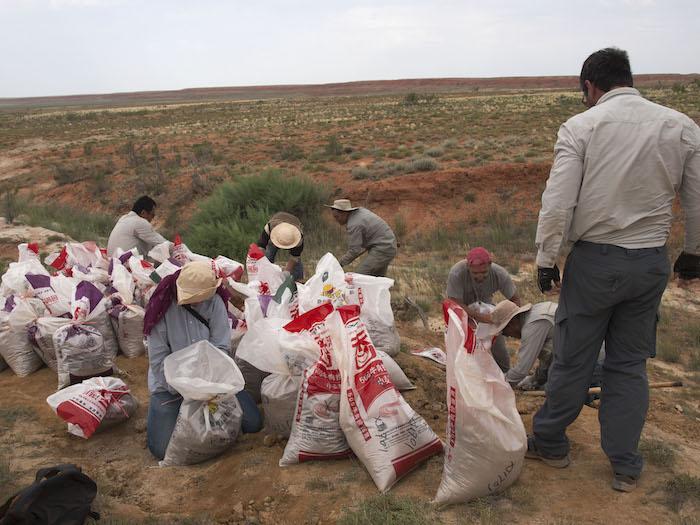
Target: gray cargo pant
613,294
377,261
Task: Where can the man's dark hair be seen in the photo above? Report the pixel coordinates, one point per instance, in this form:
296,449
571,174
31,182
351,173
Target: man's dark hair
144,203
607,68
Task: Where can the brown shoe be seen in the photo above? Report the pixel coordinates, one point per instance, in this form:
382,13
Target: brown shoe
552,461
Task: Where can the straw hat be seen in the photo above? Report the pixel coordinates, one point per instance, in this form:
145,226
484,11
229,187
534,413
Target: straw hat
285,236
341,205
505,311
197,282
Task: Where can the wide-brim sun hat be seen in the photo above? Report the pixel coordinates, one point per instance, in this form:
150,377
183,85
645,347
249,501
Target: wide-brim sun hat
505,311
285,236
197,282
341,205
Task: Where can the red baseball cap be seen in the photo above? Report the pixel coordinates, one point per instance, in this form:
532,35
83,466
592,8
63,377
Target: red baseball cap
478,256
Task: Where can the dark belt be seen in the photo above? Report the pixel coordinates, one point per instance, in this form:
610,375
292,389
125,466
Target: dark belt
612,249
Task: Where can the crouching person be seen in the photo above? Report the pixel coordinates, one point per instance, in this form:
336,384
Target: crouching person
186,307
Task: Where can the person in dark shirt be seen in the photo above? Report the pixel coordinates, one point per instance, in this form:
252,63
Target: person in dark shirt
284,232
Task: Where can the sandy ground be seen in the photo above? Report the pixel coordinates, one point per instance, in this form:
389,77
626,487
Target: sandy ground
133,487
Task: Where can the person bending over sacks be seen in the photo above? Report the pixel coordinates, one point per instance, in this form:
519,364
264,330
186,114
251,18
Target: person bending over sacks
533,324
186,307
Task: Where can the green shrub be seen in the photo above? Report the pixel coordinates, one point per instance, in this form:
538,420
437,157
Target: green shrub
360,172
234,215
78,224
289,152
435,151
423,164
333,147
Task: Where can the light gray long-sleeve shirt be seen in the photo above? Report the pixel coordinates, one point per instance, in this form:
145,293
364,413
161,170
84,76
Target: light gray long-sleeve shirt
179,329
617,168
536,334
366,231
132,231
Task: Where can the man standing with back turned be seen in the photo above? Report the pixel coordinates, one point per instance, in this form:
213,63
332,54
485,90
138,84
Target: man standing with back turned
617,168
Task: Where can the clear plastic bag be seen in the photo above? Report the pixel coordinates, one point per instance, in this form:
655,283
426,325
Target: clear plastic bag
210,416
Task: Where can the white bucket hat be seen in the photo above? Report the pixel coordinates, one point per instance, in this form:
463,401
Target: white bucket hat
505,311
197,282
341,205
285,236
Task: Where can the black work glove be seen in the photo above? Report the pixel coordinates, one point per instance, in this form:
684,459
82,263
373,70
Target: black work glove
687,266
545,276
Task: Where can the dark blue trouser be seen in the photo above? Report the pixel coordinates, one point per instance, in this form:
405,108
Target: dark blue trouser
612,294
297,270
164,407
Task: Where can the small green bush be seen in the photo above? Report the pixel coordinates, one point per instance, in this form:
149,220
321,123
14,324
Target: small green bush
361,172
435,151
423,164
234,215
289,152
333,147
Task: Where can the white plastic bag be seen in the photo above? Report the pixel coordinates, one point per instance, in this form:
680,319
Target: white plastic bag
41,286
85,254
15,346
269,348
486,440
385,433
89,305
41,332
326,285
95,403
263,276
127,321
161,252
210,416
372,295
14,281
316,432
396,374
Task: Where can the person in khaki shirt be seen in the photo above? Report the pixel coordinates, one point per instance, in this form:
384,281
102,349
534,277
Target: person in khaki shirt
134,230
617,168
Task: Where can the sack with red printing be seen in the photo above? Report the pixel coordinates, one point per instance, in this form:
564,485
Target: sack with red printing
98,402
316,432
388,436
263,276
486,440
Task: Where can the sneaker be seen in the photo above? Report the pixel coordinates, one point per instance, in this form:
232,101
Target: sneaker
552,461
624,483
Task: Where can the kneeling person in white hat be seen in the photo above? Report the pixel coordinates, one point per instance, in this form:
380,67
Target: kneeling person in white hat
534,326
284,232
367,232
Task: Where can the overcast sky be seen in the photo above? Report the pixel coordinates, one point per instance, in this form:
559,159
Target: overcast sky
59,47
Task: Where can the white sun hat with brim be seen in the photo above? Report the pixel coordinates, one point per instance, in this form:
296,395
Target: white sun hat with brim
505,311
341,205
285,236
197,282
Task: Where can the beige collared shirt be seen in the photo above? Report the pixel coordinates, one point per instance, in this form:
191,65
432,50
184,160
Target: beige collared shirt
617,168
132,231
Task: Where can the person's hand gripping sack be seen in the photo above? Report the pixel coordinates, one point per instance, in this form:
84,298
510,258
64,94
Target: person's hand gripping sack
545,276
